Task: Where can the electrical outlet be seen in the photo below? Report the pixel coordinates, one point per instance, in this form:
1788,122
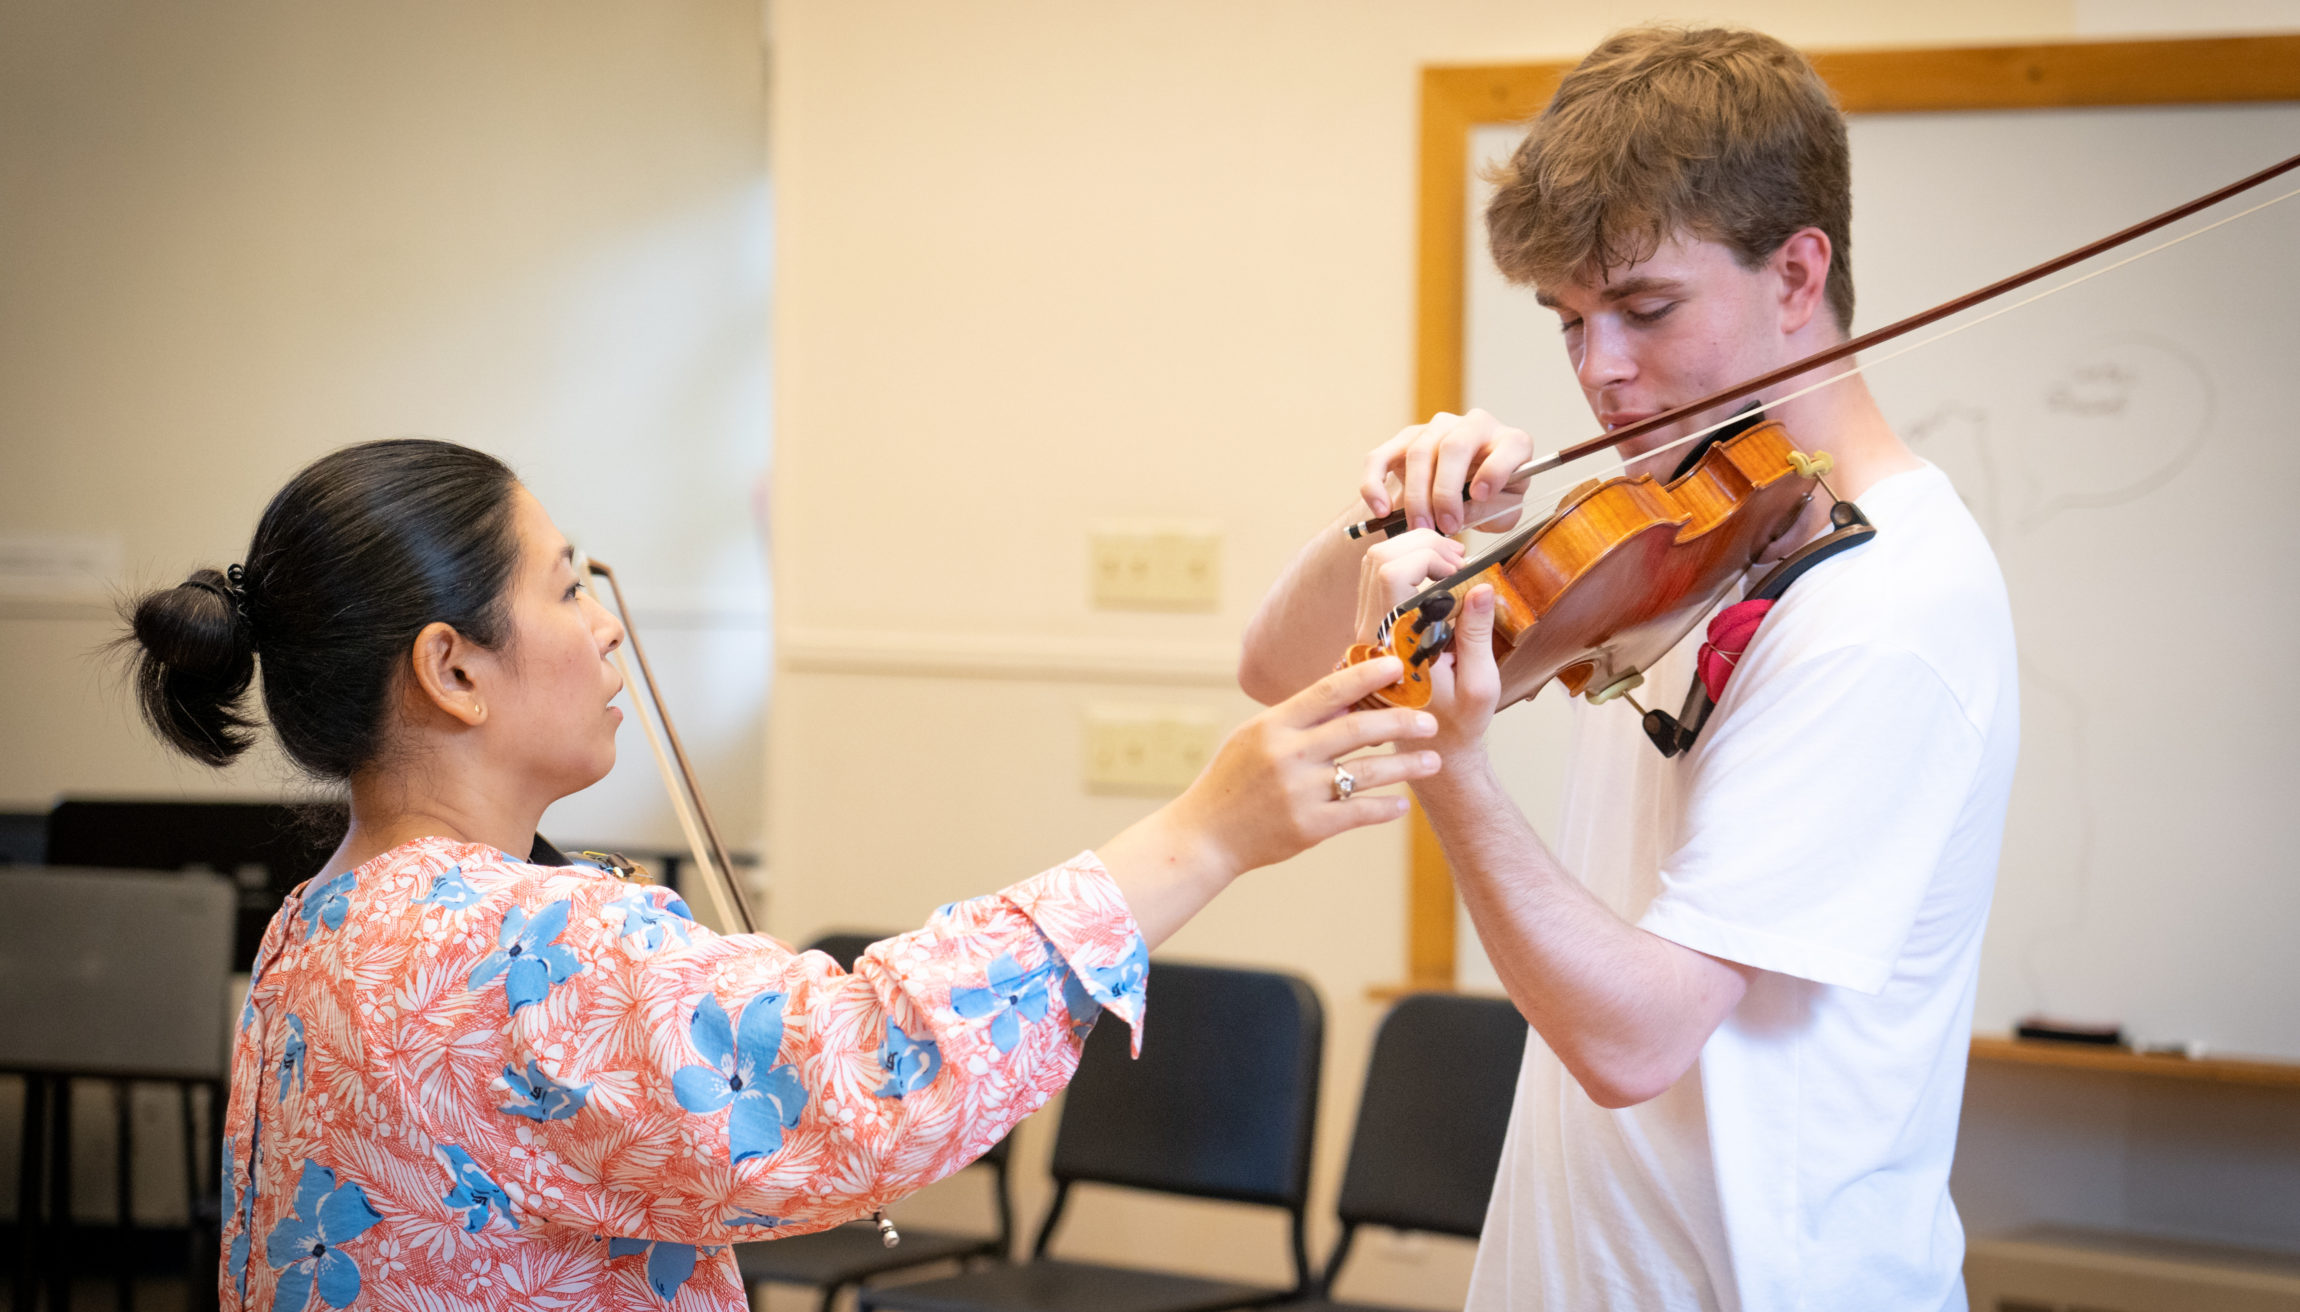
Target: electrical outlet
1153,751
1155,567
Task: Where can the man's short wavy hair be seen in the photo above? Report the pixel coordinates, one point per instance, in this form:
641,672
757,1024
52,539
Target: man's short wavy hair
1726,135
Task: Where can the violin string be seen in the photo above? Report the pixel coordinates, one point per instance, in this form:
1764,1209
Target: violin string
1859,367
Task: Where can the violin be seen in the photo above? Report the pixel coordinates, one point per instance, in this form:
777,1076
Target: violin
1605,585
1621,570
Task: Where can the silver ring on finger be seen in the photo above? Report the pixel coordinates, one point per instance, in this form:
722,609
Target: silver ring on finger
1345,783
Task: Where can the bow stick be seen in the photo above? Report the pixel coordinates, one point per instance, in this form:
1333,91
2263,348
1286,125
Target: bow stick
710,854
1390,524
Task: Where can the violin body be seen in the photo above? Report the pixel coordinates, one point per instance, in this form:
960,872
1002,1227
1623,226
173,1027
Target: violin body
1616,576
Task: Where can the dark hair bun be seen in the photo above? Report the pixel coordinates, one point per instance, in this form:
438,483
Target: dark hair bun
196,657
362,549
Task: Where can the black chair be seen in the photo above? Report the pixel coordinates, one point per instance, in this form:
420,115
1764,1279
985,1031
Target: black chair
1222,1105
266,848
841,1258
122,977
1430,1128
23,838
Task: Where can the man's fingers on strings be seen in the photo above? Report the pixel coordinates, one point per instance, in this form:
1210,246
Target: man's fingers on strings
1404,576
1415,542
1412,559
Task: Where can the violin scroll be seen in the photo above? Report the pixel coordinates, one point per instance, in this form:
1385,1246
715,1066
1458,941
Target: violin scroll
1425,632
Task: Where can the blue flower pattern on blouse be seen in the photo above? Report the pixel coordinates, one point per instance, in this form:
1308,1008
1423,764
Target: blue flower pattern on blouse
291,1057
236,1257
528,957
767,1098
306,1248
473,1192
668,1265
742,1072
248,1004
1083,1009
449,889
910,1064
327,904
1011,995
545,1099
654,926
1126,979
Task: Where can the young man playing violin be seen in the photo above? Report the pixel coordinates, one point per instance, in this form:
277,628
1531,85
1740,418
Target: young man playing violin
1750,966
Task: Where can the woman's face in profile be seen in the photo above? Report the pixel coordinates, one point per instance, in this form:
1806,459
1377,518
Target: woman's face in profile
551,715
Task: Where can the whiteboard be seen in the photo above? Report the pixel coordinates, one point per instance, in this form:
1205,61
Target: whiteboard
2125,447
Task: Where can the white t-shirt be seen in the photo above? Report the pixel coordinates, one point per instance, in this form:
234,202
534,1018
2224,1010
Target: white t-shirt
1836,825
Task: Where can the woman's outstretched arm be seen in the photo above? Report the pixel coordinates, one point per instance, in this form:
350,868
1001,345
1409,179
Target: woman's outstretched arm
533,1047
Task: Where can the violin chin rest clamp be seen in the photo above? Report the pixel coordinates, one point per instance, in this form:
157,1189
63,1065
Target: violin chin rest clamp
1627,683
1666,733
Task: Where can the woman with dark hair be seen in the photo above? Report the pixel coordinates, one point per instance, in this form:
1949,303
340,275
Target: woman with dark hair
461,1073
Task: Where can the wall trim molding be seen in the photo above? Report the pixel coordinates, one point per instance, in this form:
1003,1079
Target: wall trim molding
1039,658
57,608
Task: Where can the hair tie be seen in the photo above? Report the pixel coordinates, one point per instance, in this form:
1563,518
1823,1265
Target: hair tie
236,583
232,591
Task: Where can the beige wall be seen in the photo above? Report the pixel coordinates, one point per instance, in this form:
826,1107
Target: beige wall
236,235
1039,265
1048,264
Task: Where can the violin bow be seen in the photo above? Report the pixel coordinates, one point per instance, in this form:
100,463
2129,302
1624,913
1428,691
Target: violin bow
709,852
1388,525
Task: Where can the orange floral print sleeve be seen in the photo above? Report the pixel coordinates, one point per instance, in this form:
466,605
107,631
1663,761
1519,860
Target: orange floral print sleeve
463,1080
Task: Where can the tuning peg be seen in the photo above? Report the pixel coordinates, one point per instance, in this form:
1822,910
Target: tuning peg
1433,643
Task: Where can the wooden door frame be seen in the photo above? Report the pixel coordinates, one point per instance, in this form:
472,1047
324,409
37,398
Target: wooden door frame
1456,100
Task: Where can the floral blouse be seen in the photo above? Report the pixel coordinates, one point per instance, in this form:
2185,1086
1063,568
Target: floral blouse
461,1080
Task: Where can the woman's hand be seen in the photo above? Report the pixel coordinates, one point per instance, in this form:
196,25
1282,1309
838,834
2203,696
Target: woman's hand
1270,793
1432,462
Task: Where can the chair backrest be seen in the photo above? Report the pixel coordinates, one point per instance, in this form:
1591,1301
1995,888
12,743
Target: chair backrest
289,842
116,972
23,838
1436,1109
1222,1103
